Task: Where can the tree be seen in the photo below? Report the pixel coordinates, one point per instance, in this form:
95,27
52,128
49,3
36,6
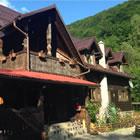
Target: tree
135,30
133,58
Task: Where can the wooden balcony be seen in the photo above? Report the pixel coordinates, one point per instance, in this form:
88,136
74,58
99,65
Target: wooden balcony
52,65
17,63
48,64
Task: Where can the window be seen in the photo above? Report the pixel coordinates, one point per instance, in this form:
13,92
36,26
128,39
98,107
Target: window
121,68
90,59
96,95
122,95
85,58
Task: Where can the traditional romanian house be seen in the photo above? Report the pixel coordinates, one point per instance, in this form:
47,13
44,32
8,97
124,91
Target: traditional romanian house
42,76
107,70
117,62
44,73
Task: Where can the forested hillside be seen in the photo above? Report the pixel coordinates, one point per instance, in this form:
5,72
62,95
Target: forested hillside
119,28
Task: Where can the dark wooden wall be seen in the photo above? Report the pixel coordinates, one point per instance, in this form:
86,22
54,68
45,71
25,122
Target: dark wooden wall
124,105
12,41
52,65
117,80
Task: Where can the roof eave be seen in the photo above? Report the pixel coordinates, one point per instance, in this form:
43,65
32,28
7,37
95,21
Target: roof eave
106,71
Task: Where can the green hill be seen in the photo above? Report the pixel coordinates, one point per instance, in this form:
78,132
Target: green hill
119,28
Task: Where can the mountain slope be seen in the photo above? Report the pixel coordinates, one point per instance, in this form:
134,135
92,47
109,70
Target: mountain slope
113,24
119,28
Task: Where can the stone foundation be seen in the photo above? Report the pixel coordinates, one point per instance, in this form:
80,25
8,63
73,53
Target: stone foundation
66,130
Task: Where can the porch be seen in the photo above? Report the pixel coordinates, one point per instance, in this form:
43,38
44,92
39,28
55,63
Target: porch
34,103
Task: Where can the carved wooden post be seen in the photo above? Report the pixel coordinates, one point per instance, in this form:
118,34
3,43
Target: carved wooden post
26,47
2,57
49,39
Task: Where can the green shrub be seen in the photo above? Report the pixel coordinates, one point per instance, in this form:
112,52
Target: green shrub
93,109
112,114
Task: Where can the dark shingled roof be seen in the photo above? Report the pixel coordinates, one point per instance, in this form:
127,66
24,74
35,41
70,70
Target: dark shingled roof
118,57
32,13
7,15
85,43
99,68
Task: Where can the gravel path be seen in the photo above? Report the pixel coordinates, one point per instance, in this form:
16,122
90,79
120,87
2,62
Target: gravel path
120,134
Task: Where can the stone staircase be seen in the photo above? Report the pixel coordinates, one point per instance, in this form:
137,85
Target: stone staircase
66,131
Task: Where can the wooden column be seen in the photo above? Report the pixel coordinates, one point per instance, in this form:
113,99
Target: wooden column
49,39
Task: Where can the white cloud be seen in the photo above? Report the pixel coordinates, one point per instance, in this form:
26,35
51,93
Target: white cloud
24,10
6,3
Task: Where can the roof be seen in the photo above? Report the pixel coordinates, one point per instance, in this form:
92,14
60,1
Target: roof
108,52
118,57
51,7
7,15
19,16
82,44
99,68
85,43
61,28
45,77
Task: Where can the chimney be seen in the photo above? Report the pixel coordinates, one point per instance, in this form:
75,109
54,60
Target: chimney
103,85
102,61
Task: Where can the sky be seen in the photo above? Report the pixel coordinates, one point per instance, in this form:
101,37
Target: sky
70,10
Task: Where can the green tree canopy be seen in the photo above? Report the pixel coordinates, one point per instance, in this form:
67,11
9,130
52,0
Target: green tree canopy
119,28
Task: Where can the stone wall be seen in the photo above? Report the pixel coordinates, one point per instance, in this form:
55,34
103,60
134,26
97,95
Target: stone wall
66,130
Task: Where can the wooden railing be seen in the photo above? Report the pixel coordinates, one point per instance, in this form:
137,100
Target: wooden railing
136,105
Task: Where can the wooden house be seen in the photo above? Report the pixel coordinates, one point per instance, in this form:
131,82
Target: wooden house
42,75
118,61
107,70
